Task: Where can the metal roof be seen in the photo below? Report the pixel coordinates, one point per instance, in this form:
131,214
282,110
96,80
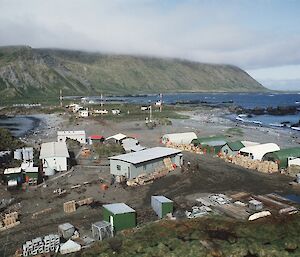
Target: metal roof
203,140
101,224
186,137
146,155
118,208
283,155
117,137
215,143
12,171
137,148
96,137
54,149
162,199
65,226
258,151
235,146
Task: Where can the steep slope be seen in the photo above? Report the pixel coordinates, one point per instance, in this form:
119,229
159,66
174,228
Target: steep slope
28,72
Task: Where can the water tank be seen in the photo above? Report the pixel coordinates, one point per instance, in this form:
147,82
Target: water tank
18,154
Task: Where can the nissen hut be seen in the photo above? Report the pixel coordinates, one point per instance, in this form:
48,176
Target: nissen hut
133,164
179,138
256,152
282,157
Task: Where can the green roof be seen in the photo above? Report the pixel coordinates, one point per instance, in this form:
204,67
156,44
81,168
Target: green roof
203,140
235,146
281,156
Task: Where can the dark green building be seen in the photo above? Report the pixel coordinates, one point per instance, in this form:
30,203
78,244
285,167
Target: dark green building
119,215
232,148
281,157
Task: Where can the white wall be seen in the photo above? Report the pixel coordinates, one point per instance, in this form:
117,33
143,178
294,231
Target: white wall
57,163
81,138
295,161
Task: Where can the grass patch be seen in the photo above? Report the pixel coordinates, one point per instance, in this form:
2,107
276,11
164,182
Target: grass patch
234,132
133,112
105,150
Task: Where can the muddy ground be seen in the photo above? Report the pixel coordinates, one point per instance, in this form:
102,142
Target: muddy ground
206,174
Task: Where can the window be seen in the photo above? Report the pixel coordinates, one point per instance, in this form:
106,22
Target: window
118,167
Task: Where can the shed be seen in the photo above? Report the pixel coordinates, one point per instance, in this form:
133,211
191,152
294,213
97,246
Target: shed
14,174
161,205
282,156
131,165
179,138
119,215
204,140
256,152
232,148
66,230
213,147
102,230
95,139
54,156
117,138
255,205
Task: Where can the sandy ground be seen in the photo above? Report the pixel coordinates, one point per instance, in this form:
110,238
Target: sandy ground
207,174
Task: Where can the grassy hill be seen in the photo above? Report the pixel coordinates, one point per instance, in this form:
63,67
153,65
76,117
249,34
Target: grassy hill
32,73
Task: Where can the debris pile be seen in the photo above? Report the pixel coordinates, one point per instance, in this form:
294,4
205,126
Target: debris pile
10,220
198,212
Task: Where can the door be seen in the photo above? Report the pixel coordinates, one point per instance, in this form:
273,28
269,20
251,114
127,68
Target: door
128,173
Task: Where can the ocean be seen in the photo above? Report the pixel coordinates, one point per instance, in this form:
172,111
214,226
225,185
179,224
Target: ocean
20,125
245,100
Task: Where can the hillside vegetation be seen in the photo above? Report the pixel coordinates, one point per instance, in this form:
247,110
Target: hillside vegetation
32,73
207,237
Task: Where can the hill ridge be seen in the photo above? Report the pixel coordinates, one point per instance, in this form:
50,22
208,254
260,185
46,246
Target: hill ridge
42,72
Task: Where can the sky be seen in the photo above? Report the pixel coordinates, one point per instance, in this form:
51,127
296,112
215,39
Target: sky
260,36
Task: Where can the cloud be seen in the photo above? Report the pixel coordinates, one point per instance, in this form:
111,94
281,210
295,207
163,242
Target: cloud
195,30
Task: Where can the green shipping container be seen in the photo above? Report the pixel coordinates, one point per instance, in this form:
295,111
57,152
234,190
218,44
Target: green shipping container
120,215
161,205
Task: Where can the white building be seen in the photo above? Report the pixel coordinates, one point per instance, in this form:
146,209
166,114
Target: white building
101,112
117,138
75,107
115,111
256,152
179,138
54,157
293,161
78,135
84,113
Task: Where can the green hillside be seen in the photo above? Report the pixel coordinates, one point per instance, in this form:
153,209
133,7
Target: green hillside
31,73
